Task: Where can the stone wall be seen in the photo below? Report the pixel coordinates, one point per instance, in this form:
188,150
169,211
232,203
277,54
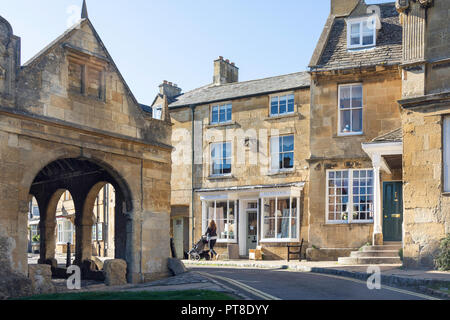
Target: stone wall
381,114
250,116
427,208
61,113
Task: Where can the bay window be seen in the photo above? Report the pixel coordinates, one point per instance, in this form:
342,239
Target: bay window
446,149
350,109
223,212
221,113
280,105
280,218
350,196
282,152
221,158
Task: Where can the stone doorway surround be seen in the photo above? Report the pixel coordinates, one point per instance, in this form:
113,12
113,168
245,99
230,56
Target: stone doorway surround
386,152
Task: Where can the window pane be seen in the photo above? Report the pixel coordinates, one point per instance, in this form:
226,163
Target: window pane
357,120
291,103
283,105
357,96
274,106
221,211
215,115
227,150
447,154
288,143
287,160
345,97
215,150
355,28
269,219
222,114
229,111
354,40
227,166
368,40
345,121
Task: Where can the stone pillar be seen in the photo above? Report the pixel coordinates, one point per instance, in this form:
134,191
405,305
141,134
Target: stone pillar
48,242
378,214
83,242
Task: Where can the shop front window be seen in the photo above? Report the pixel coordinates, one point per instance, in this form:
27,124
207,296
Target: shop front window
223,213
280,219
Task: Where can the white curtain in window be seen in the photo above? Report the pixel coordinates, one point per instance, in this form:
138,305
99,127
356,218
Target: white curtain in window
446,139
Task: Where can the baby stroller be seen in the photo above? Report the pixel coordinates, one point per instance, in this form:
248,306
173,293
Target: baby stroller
198,251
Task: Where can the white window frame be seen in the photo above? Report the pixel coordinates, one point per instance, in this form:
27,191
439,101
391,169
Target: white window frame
221,106
297,213
278,154
360,21
446,153
205,222
350,197
340,131
279,96
157,112
62,231
211,166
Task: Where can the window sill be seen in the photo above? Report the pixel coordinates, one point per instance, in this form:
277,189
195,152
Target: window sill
219,125
284,116
352,134
278,240
346,223
446,194
224,177
226,241
280,172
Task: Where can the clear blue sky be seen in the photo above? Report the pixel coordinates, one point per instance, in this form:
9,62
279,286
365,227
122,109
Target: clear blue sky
177,40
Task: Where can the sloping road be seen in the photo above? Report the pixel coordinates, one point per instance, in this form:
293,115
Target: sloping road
263,284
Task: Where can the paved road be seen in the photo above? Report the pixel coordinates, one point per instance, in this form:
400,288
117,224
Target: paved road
288,285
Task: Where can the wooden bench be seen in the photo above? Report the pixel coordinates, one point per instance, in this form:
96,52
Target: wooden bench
297,253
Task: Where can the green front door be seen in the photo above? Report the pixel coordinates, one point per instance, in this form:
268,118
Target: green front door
392,211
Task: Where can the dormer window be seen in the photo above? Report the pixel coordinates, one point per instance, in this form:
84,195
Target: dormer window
157,112
361,33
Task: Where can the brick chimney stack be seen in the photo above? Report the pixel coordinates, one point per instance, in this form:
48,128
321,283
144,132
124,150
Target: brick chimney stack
343,8
225,71
169,89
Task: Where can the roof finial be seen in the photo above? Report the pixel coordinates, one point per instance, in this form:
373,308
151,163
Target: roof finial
84,12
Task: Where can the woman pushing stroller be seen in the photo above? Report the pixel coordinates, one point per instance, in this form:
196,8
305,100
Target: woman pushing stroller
211,236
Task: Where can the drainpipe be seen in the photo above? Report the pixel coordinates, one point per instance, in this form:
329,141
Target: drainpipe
192,176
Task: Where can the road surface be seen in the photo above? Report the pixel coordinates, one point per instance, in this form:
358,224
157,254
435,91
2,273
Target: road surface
262,284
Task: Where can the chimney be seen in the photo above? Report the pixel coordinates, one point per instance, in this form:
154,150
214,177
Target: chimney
343,8
225,72
169,89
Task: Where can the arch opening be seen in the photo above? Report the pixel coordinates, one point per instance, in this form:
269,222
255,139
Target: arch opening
81,206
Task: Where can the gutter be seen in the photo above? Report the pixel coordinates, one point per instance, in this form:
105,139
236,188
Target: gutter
192,175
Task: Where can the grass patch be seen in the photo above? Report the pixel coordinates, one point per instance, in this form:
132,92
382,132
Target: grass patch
135,295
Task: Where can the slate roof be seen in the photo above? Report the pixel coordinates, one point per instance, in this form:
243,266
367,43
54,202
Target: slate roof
393,136
214,93
388,50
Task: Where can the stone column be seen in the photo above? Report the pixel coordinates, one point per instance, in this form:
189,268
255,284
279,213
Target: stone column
83,247
48,242
378,214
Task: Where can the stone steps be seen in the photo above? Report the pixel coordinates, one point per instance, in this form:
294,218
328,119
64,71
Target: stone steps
382,248
379,254
369,260
373,254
